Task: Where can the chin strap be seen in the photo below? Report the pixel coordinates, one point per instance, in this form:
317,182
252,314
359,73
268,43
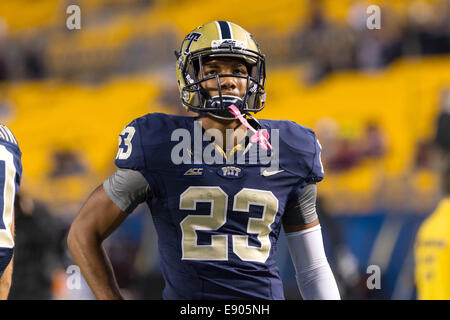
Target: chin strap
260,136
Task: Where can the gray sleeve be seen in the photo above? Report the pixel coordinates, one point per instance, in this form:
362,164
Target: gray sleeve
303,210
127,189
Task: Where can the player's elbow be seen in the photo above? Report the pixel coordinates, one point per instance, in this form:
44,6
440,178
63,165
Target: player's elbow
74,238
318,283
80,236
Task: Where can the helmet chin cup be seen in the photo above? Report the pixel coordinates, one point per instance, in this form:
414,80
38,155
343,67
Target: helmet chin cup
222,103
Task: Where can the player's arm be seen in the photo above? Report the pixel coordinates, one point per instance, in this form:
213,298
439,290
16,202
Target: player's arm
97,219
315,279
105,210
6,278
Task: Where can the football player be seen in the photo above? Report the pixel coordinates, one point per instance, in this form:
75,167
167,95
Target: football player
217,222
10,175
432,249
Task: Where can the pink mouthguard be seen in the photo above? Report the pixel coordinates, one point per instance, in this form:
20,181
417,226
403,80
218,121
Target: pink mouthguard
260,136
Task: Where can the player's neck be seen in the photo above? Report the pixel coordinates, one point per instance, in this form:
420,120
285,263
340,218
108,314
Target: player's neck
239,130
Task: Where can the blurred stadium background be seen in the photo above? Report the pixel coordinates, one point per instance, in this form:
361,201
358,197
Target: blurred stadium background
372,96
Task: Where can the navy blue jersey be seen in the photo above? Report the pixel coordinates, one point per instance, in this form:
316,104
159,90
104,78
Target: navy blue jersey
218,223
10,174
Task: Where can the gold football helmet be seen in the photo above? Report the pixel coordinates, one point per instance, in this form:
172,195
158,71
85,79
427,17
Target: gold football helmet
220,39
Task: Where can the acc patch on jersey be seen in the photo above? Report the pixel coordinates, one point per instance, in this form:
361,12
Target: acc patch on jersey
196,171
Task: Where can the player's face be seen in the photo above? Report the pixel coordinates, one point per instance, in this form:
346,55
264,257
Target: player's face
232,86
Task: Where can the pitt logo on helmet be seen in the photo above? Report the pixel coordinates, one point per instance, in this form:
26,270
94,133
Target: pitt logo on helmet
194,36
218,39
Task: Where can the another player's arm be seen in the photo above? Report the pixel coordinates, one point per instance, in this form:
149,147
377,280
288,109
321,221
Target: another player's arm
6,278
315,279
105,210
11,169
